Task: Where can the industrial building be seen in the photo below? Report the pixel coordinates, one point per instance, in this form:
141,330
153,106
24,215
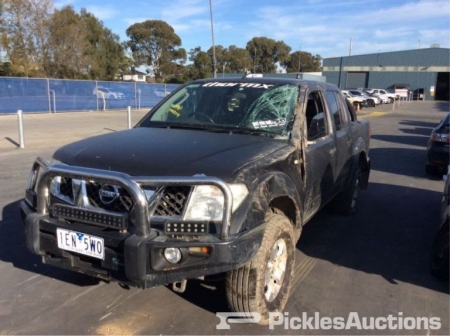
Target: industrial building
423,72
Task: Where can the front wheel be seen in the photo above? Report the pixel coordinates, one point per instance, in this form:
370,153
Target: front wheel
262,285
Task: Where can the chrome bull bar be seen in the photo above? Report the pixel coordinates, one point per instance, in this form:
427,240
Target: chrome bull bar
131,183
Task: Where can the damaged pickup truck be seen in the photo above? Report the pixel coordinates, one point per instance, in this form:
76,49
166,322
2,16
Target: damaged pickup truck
218,178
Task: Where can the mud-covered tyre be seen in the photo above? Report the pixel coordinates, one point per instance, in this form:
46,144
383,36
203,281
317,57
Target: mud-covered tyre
263,284
439,262
346,202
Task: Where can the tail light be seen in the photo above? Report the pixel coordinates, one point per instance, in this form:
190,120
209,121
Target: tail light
440,137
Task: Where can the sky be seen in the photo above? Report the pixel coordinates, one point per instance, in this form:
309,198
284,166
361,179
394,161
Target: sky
321,27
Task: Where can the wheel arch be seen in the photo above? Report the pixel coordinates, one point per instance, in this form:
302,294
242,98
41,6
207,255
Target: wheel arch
275,193
286,205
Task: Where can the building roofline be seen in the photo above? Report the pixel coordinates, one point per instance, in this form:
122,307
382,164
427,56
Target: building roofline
387,52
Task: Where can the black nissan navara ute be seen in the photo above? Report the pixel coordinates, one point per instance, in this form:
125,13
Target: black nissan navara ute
218,178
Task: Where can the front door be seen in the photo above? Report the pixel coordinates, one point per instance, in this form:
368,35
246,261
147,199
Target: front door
320,151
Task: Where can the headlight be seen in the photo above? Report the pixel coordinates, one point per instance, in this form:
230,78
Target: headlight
207,202
56,181
55,186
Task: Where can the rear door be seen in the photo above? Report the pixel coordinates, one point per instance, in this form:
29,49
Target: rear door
343,137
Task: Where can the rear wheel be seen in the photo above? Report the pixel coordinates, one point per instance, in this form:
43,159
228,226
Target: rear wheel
346,202
262,285
391,100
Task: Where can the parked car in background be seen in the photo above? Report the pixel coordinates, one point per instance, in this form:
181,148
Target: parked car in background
161,92
391,97
440,251
355,100
107,93
372,101
438,148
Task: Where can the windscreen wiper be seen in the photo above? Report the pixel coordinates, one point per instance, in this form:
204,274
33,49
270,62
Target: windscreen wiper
246,130
202,127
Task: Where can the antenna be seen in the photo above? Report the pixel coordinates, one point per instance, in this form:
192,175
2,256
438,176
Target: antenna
350,49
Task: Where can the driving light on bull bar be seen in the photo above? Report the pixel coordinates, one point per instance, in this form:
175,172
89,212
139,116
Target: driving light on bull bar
207,202
172,255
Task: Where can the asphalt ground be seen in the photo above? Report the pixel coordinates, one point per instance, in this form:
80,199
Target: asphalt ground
375,263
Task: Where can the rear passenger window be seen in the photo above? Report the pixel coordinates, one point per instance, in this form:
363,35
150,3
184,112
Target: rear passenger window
316,123
345,113
335,109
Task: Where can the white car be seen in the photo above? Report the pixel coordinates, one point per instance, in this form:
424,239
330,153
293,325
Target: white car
162,92
107,93
372,101
387,96
357,101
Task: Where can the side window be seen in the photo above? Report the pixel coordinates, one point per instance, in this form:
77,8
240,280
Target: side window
345,114
335,109
316,123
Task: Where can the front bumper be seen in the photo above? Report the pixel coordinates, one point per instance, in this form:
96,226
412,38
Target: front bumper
134,252
136,260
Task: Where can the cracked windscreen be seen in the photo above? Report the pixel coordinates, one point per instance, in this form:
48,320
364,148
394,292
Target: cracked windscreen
256,108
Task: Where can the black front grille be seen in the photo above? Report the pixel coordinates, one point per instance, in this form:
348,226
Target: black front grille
65,187
173,201
122,204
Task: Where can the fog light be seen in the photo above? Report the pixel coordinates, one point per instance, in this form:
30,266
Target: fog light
172,255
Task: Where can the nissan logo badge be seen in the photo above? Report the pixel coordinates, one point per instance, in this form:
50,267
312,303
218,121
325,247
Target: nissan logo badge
108,193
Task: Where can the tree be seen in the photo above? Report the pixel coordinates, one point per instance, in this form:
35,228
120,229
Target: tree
266,53
105,52
150,41
302,61
239,59
201,66
68,45
40,41
176,68
221,57
24,34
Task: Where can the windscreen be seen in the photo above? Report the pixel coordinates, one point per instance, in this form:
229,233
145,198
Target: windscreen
266,108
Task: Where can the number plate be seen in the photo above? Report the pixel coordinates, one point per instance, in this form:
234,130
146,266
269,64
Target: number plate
81,243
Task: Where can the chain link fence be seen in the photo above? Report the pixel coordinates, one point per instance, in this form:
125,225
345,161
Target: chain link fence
33,95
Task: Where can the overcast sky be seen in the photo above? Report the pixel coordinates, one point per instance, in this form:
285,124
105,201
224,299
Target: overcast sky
322,27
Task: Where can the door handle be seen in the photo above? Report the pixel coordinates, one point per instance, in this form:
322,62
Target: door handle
332,151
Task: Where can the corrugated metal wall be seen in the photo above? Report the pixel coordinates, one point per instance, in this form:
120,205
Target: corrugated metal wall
418,68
